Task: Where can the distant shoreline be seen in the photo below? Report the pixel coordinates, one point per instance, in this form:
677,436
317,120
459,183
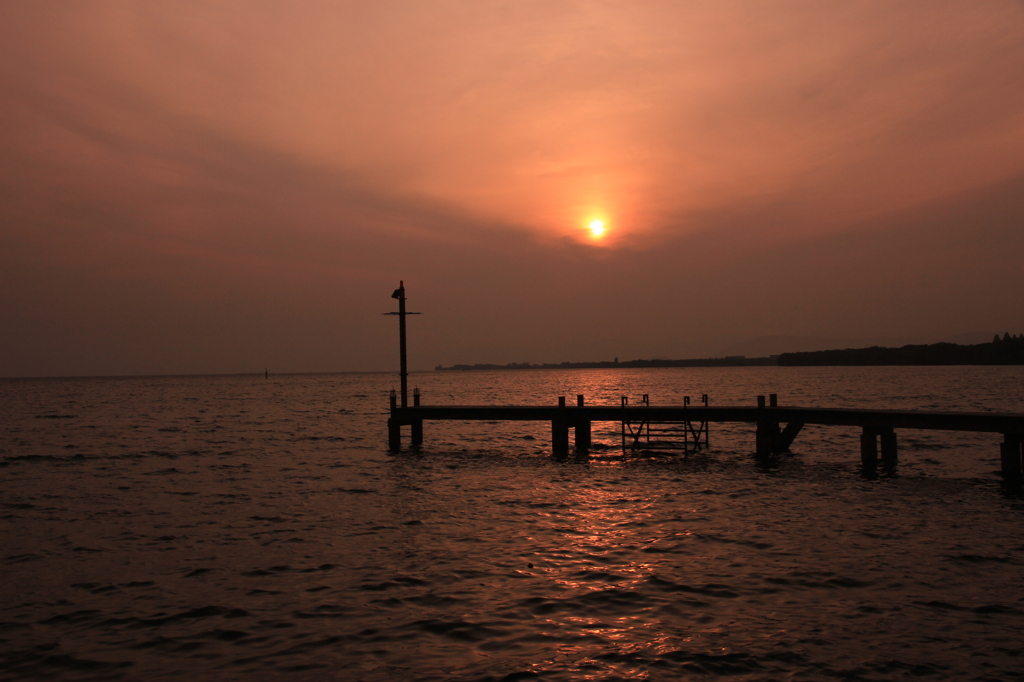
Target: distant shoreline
729,361
1005,350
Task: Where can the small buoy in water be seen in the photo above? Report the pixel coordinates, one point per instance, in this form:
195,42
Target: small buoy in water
529,565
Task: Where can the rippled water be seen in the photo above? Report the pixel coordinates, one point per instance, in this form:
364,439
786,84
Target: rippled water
237,527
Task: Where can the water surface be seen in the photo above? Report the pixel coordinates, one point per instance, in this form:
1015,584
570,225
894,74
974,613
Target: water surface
237,527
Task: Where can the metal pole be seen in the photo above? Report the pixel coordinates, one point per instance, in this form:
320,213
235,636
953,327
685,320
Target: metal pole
404,368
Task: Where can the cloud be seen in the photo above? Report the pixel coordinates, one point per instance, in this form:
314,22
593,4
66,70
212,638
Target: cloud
201,187
537,113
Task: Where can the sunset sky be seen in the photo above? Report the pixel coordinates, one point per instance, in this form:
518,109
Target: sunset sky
223,186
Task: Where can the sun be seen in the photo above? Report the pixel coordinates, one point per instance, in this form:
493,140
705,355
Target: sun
595,228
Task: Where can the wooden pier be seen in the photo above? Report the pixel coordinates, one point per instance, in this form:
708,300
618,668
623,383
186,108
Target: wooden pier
878,427
776,426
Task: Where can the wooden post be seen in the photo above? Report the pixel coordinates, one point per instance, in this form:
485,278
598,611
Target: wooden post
394,435
773,399
890,458
623,401
774,435
762,445
768,437
560,432
583,438
394,426
705,425
417,424
869,452
1010,458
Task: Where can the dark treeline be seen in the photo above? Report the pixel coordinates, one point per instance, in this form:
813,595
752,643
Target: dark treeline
1005,350
730,361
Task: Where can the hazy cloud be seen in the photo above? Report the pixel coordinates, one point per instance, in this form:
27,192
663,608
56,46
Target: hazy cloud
196,186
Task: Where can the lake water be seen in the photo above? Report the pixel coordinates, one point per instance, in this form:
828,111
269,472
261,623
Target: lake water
238,527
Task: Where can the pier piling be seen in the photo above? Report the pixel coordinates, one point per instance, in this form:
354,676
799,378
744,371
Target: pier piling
869,441
1011,452
869,452
582,429
416,425
890,458
560,431
768,437
394,426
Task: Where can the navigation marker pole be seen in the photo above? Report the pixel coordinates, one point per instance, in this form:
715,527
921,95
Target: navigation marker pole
404,367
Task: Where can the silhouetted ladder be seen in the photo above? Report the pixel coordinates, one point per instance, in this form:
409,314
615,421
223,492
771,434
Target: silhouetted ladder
666,434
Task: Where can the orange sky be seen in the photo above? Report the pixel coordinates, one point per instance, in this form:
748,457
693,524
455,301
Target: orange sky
221,186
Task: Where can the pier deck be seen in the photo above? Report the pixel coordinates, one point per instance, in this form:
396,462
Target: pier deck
897,419
771,437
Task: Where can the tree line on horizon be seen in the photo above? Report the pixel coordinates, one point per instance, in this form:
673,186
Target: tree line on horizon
1002,350
728,361
1005,350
